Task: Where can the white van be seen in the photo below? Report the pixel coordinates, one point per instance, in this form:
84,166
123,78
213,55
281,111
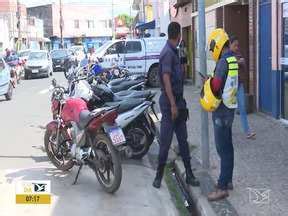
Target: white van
139,56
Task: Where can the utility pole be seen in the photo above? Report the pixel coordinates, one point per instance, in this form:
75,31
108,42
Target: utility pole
113,22
143,4
61,25
130,27
203,70
19,26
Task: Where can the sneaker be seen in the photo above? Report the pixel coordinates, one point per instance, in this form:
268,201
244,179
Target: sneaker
217,195
229,186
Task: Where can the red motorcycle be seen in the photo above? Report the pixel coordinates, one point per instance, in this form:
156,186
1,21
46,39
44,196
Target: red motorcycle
77,136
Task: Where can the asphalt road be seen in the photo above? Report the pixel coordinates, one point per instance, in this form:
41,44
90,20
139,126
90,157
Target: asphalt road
22,125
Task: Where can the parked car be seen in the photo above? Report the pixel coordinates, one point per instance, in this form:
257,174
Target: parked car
23,55
139,56
62,60
6,85
39,63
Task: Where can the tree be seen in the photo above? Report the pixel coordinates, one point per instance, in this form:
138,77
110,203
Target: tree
128,20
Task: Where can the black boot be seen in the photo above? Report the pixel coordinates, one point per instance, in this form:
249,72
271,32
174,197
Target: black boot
190,178
159,176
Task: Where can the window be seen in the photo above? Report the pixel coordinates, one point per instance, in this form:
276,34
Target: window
59,53
117,48
90,23
105,23
133,47
76,24
102,23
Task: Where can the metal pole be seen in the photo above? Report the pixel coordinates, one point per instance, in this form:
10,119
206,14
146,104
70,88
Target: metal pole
203,70
143,2
61,25
130,27
19,41
113,21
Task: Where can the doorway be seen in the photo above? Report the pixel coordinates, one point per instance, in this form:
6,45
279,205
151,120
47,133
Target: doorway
284,76
265,67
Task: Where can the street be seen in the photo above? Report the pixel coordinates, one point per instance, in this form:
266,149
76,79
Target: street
22,156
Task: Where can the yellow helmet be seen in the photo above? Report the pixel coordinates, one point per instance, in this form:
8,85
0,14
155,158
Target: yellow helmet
208,100
216,42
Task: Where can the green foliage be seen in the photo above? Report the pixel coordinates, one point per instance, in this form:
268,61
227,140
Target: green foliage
128,20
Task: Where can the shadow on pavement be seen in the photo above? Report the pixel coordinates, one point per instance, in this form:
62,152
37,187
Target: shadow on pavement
37,159
2,100
135,194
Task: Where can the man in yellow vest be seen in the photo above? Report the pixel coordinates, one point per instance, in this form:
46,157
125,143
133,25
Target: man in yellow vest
223,84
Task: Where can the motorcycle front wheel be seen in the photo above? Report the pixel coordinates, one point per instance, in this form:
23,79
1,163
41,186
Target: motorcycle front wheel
106,163
57,155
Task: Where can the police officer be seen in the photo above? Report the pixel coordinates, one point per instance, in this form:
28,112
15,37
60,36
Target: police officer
172,106
224,85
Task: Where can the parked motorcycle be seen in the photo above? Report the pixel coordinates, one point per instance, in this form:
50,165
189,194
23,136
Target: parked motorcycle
134,117
117,81
78,136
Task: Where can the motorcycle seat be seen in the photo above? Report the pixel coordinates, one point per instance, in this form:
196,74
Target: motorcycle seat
126,105
118,81
86,116
123,95
125,85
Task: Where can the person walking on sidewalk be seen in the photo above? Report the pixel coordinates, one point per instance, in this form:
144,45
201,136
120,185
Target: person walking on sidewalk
183,58
224,85
234,47
172,106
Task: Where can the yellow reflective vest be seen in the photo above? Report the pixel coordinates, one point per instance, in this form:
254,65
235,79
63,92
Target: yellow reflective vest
229,95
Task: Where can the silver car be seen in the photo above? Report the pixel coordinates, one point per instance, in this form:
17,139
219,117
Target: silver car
39,64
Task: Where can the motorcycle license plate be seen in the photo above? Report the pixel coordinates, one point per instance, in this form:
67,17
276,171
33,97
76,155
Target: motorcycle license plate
117,136
34,71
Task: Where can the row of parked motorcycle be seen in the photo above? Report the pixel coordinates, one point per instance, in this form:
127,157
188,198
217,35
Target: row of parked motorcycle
99,118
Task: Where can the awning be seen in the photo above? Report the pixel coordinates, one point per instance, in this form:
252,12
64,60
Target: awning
148,25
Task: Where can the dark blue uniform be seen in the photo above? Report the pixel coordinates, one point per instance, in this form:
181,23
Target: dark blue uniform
170,63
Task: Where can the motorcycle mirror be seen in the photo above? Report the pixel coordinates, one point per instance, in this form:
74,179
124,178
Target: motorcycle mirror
54,82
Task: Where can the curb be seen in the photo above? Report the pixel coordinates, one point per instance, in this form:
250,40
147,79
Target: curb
201,203
199,194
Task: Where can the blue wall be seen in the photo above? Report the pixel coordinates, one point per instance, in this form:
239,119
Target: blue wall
269,80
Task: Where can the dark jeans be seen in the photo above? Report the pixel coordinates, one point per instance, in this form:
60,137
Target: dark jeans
167,128
224,146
